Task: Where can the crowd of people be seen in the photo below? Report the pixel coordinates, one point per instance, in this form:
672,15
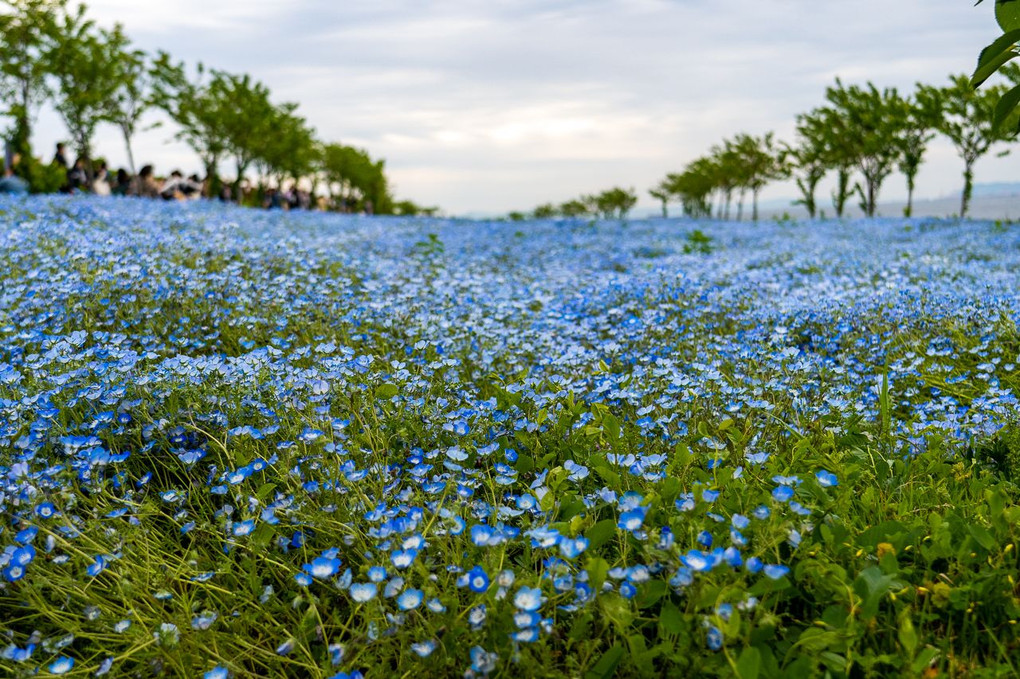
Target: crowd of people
80,178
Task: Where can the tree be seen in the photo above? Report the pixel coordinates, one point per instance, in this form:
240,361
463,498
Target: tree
356,178
544,211
968,120
575,208
614,203
83,61
28,28
869,122
196,107
249,119
132,97
921,117
662,194
759,162
809,160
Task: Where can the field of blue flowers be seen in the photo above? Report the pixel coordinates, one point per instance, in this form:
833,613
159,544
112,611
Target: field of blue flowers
237,443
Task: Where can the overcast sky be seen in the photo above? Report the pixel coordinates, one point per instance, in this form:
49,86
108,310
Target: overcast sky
494,105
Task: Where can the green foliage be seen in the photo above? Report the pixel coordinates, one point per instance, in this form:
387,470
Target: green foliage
355,178
869,125
29,28
967,120
698,242
84,62
995,58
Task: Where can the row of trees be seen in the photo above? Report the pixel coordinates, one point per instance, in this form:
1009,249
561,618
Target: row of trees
861,135
93,76
612,203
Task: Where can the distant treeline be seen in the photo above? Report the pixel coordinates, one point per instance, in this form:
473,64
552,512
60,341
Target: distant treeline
861,135
93,76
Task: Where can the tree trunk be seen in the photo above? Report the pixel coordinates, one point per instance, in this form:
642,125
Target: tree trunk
130,153
665,210
754,204
872,196
909,210
740,205
968,187
842,191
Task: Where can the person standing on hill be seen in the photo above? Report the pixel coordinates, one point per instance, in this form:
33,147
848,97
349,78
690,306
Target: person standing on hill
59,158
101,182
145,184
11,183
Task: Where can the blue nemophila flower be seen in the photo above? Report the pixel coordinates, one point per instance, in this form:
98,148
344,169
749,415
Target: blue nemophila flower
782,493
61,665
526,619
410,599
218,672
774,572
26,535
826,479
286,647
632,520
705,538
698,561
122,626
45,510
627,589
477,579
528,599
753,565
363,591
424,649
97,566
526,636
476,616
104,667
322,567
571,548
18,654
204,621
403,558
393,587
244,528
377,574
22,556
713,638
167,635
482,661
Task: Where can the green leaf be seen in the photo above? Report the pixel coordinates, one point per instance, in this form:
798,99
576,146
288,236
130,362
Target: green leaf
994,56
907,634
606,666
597,571
386,391
1005,107
981,534
749,663
671,620
1007,13
601,533
924,659
651,592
